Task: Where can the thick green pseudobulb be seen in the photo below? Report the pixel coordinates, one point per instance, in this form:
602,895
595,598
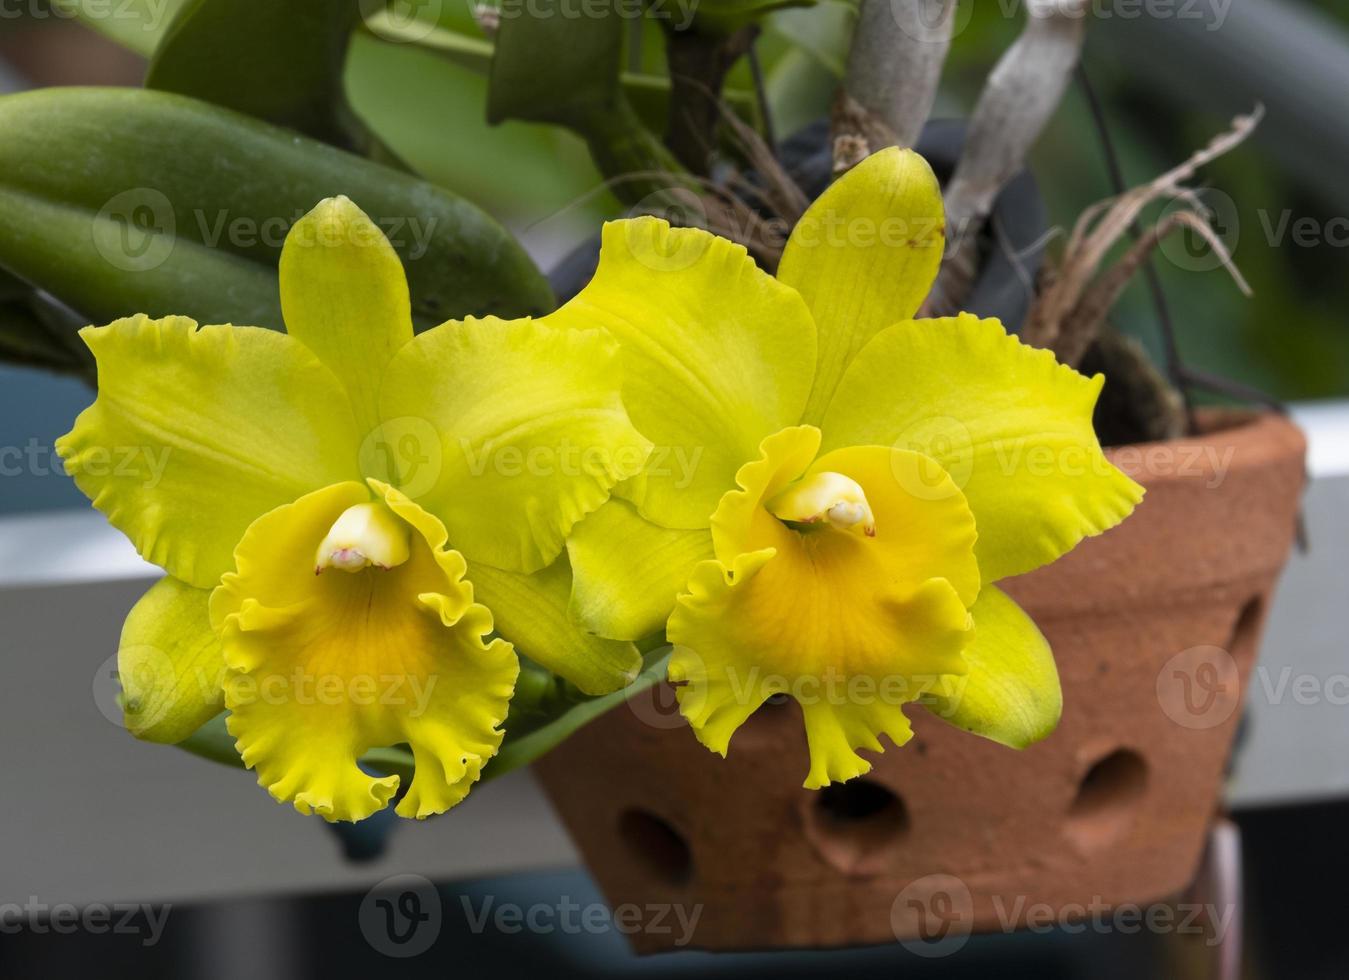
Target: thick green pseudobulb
122,201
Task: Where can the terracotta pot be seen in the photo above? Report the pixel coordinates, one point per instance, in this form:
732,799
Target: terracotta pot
1154,626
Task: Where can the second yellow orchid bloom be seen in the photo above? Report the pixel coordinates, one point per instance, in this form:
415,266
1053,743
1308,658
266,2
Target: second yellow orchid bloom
836,485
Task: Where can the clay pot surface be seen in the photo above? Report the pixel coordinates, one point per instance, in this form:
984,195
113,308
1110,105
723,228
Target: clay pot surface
1154,625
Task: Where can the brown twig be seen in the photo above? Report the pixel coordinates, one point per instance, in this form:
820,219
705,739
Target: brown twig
1079,329
698,67
782,195
1102,226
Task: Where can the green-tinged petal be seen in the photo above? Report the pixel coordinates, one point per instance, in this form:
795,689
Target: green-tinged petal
528,433
853,626
716,356
197,432
1009,423
322,668
627,571
1011,693
345,297
530,610
864,256
170,664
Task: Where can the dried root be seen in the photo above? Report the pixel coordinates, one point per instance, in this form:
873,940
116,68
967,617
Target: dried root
1074,300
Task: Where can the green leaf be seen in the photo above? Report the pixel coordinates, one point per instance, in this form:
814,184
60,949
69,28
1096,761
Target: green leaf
648,94
182,207
280,62
550,66
516,168
523,171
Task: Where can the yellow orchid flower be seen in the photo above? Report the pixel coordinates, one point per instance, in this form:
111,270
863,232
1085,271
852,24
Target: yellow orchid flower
835,485
338,508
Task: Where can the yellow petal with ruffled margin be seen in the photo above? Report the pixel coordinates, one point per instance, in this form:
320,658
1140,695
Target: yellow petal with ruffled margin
716,355
345,297
531,611
627,571
532,433
1011,692
198,432
324,667
170,664
1010,424
864,256
852,627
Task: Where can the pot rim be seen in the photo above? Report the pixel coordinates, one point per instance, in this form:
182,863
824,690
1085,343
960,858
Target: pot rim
1231,439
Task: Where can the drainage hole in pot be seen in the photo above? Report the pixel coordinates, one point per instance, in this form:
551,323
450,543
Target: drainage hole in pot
853,824
860,800
657,846
1106,799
